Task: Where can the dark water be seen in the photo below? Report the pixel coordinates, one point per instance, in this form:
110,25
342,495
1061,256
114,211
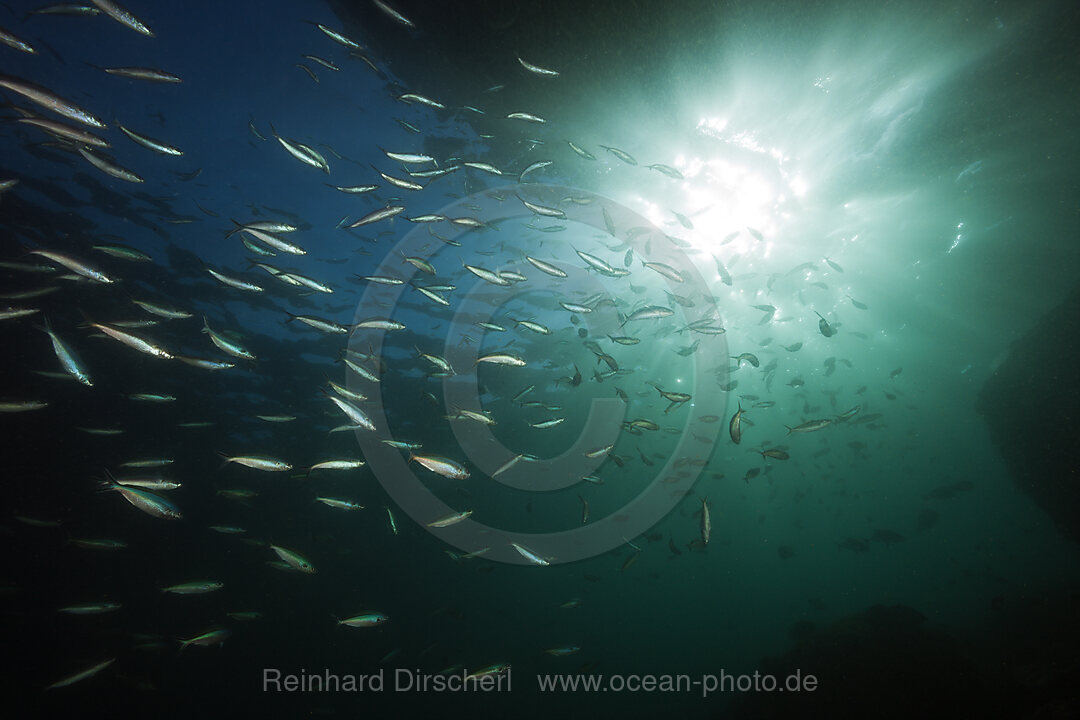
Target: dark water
904,176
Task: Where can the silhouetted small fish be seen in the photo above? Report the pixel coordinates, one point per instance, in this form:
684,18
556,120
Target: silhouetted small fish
748,357
735,426
887,537
854,544
824,327
857,304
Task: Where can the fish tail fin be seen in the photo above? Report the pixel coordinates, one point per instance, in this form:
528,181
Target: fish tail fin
226,460
238,228
109,483
87,320
789,430
291,317
183,646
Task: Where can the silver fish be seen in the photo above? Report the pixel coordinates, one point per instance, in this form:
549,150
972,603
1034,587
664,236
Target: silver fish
122,16
48,99
537,70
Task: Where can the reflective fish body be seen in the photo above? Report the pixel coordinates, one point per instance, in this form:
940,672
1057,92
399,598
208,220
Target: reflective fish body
162,310
47,99
338,37
441,466
89,672
501,359
68,132
563,651
449,520
10,313
108,166
212,637
147,463
365,621
75,265
339,504
142,73
537,70
848,414
122,16
735,426
98,544
234,282
90,608
377,215
123,252
545,267
530,555
621,154
134,342
337,465
582,152
258,462
14,42
667,170
148,142
527,117
539,165
21,405
293,559
355,414
394,14
302,152
595,262
542,210
68,360
651,312
422,100
226,345
809,426
326,326
146,501
706,522
194,588
149,483
666,270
